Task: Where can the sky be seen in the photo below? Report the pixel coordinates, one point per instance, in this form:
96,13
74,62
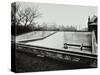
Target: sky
66,15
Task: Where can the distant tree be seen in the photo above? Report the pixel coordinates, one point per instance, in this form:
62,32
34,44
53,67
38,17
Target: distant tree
44,26
22,18
26,16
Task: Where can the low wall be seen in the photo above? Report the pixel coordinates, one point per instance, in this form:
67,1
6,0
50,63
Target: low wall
34,37
59,55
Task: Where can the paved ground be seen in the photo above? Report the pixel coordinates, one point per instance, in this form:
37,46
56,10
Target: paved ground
58,39
78,38
54,41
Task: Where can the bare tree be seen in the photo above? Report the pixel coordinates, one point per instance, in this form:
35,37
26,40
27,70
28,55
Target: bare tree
23,15
23,18
26,16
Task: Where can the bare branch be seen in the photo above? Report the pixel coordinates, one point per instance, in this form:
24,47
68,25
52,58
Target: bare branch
26,16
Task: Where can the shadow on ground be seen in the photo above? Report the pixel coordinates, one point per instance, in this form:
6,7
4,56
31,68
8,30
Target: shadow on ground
26,62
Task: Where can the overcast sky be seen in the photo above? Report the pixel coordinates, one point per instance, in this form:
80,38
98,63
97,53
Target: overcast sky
63,14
